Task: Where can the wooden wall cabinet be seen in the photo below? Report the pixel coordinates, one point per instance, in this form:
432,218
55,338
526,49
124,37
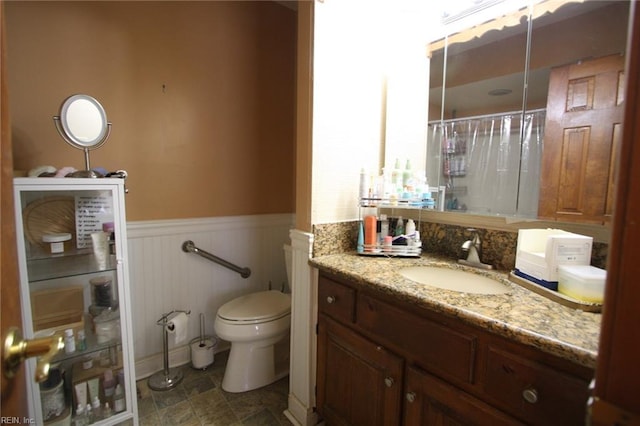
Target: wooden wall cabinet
385,361
582,136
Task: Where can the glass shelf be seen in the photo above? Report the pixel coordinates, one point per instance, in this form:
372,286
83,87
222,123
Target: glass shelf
92,346
67,265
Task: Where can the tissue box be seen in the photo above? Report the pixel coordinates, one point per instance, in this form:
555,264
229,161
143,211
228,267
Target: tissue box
541,251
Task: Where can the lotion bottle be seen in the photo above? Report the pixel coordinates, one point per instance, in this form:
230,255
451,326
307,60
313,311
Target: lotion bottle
364,188
118,399
396,174
411,228
69,341
384,226
406,175
80,419
97,408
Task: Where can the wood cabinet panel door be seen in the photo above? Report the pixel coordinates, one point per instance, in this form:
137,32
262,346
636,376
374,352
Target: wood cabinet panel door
582,134
430,401
358,382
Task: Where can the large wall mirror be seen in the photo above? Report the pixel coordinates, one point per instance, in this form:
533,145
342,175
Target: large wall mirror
525,112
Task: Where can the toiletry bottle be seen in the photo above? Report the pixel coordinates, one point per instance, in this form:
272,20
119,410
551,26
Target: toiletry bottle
399,227
108,384
69,341
80,419
406,175
370,234
97,409
106,411
82,341
364,187
88,413
109,228
410,230
118,399
399,231
396,174
384,226
360,246
387,244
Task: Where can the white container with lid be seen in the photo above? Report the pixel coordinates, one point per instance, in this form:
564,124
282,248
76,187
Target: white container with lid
582,282
56,241
540,252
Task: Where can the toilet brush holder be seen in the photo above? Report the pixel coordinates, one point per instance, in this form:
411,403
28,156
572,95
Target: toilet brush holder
168,378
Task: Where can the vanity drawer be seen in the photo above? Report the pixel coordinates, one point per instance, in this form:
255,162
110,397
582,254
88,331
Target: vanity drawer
433,346
336,300
534,392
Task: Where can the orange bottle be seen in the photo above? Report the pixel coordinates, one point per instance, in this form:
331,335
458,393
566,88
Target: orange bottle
370,233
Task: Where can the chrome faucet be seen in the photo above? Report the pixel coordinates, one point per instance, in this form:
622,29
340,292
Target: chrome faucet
473,248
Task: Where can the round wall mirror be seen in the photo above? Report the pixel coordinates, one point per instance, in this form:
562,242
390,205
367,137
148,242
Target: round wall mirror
83,124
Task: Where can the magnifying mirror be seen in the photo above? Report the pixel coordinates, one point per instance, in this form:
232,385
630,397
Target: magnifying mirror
83,124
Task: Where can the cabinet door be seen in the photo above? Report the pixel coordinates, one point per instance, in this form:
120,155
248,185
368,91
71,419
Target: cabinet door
582,132
534,392
359,382
71,240
430,401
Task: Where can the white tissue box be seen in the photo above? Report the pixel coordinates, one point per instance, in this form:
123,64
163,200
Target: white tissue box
540,251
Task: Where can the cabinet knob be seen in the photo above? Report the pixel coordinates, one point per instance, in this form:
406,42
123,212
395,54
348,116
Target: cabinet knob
330,299
388,382
411,396
530,395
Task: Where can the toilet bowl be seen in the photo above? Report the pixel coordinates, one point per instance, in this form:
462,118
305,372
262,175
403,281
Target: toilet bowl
257,326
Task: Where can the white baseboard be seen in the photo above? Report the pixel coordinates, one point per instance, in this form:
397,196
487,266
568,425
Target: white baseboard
299,414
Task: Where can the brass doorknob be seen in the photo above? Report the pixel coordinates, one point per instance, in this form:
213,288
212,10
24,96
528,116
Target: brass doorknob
16,349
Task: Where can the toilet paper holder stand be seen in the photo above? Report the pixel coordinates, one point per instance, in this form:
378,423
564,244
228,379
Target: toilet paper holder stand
168,378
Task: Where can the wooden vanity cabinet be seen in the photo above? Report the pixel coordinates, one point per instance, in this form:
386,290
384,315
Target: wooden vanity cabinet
360,383
431,401
385,361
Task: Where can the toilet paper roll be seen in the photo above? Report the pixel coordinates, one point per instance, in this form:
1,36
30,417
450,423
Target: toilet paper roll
177,326
202,356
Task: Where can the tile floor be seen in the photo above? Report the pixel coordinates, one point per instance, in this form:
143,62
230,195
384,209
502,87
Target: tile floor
200,400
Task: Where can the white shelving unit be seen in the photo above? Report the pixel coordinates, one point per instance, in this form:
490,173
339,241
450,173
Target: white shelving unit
71,288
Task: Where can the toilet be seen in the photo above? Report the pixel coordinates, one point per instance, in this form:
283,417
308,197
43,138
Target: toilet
257,326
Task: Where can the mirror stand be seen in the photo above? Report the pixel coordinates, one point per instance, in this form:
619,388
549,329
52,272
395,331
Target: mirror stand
83,124
87,173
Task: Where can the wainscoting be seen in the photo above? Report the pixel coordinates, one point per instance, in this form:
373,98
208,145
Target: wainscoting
165,278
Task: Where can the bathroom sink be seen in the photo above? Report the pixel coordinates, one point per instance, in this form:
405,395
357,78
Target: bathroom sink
453,279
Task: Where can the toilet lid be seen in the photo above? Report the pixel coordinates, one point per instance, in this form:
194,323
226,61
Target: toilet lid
256,306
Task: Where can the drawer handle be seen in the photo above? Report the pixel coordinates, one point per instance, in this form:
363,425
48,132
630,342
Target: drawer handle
388,382
530,395
411,396
330,299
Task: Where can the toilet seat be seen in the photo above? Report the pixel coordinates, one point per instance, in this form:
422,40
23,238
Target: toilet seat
257,307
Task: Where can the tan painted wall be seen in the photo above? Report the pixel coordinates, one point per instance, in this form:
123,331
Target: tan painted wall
201,96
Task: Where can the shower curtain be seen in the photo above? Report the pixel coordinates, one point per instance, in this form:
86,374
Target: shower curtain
489,164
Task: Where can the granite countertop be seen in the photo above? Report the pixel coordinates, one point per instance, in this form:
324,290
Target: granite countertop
520,314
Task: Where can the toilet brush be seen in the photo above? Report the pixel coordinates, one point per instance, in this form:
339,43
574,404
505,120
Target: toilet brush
202,344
